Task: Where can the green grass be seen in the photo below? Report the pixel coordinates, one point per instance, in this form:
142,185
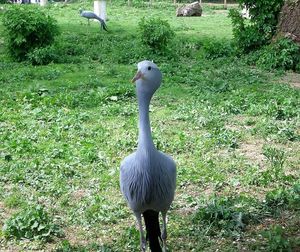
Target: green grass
64,129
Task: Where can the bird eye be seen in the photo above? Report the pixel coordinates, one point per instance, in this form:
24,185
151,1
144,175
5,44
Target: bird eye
149,68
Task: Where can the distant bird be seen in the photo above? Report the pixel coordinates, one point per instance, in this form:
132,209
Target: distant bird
148,176
91,15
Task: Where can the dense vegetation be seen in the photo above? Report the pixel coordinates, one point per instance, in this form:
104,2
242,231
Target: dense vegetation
28,28
257,36
260,29
233,130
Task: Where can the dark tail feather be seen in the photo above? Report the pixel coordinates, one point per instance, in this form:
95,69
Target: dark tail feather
102,23
153,230
104,27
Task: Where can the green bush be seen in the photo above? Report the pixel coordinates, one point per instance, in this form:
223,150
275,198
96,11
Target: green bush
216,49
43,55
155,33
226,215
31,223
28,28
277,240
277,198
261,27
277,158
283,54
284,198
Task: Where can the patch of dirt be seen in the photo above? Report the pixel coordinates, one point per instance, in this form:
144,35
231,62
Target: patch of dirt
293,79
82,237
75,235
240,123
79,194
253,151
187,196
253,191
287,220
5,212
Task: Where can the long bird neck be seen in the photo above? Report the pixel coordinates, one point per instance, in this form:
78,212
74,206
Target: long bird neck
145,142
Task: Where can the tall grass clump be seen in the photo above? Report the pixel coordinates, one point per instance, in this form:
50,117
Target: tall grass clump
27,29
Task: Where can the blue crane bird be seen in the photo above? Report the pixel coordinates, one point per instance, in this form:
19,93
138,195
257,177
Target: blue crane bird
148,176
91,15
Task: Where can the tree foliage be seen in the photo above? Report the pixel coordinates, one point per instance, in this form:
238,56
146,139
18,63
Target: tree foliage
260,28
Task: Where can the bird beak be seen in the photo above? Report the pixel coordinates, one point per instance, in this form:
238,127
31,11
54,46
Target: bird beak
138,76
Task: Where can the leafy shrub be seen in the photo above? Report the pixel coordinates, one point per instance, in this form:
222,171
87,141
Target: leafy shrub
225,137
275,171
226,214
155,33
281,131
43,55
31,223
277,241
131,244
281,109
28,28
186,48
277,198
261,27
216,49
284,198
283,54
298,67
277,158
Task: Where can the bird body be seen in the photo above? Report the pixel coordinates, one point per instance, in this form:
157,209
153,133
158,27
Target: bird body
148,180
148,176
91,15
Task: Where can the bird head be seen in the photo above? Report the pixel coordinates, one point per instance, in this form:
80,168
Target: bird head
148,77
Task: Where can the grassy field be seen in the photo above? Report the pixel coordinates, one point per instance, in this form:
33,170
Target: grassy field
64,128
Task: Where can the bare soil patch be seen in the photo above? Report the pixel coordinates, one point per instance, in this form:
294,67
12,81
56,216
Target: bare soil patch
293,79
252,150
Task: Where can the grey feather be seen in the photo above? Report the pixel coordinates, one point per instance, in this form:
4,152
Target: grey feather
148,181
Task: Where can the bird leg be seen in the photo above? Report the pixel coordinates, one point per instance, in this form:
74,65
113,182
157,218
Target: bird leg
164,231
88,21
142,237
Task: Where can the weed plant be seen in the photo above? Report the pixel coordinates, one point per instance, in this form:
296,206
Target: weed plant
227,216
276,239
31,223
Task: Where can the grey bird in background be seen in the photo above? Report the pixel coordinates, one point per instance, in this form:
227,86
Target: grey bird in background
91,15
148,176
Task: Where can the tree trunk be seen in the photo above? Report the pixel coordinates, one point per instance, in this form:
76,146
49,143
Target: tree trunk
289,20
